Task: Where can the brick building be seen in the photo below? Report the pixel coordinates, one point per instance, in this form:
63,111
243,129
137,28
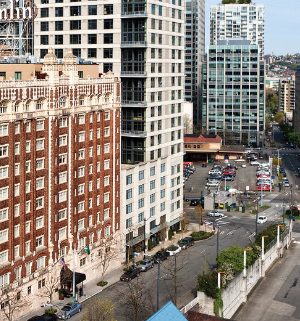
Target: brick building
59,168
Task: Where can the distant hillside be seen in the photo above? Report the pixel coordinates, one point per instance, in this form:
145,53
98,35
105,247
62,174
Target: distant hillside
236,1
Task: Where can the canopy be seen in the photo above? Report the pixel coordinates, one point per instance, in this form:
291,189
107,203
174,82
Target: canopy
66,277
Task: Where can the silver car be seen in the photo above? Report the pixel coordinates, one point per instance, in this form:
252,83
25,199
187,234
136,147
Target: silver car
215,213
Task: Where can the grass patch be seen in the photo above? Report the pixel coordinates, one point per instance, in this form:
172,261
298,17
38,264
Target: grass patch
263,208
201,235
102,283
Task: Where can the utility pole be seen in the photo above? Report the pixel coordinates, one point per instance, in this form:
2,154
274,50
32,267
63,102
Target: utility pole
217,243
256,218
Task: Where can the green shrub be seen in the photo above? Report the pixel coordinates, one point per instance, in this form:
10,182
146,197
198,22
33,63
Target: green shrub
207,283
50,311
102,283
201,235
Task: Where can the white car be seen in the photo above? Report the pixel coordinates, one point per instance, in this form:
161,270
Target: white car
213,183
173,250
244,165
286,183
215,213
262,219
214,171
254,163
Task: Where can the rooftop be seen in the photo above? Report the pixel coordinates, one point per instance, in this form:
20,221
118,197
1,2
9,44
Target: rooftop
168,312
202,139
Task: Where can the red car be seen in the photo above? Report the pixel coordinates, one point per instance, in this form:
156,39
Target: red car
264,187
229,173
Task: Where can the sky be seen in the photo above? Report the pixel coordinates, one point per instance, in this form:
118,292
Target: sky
282,25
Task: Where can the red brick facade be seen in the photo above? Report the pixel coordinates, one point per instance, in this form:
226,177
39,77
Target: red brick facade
65,139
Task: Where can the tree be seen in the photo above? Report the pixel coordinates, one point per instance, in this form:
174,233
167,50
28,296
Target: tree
11,301
187,124
99,310
110,249
138,302
199,212
52,282
272,101
279,117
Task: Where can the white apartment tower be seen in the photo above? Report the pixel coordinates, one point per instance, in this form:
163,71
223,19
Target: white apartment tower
194,53
142,42
238,21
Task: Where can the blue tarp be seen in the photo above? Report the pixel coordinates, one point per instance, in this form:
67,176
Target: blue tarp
168,312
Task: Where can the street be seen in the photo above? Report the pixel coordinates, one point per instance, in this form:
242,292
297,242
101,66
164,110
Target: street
235,229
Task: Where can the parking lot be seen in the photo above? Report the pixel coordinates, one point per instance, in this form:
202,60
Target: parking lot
197,181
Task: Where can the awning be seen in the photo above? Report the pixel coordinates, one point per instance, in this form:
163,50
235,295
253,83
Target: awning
66,277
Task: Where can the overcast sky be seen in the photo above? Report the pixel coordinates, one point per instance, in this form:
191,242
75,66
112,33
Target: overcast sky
282,25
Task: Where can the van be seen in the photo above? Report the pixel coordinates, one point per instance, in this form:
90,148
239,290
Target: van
262,219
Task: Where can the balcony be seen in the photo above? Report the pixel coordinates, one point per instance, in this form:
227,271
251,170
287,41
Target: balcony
134,133
134,44
137,14
133,73
131,103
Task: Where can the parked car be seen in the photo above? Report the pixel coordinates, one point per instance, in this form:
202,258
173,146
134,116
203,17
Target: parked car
212,183
194,202
160,256
214,171
186,242
146,265
173,250
228,178
264,187
69,310
215,213
244,166
254,163
130,274
262,219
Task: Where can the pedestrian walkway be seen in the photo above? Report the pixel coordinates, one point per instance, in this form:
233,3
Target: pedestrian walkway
277,296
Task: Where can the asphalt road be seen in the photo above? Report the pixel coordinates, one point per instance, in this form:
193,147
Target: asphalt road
234,229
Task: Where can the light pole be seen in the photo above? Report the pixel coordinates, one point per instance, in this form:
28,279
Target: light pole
256,217
217,244
283,213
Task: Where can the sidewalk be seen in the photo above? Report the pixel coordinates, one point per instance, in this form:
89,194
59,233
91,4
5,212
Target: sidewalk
90,287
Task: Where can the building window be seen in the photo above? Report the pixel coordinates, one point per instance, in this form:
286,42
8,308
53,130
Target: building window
4,236
140,217
107,66
128,208
129,194
129,179
62,159
92,24
75,40
4,172
39,183
27,227
59,25
106,197
152,171
3,214
92,39
44,12
59,39
141,202
81,224
62,214
45,27
129,222
141,189
3,193
108,9
40,144
108,38
39,203
108,24
59,12
17,230
75,11
92,53
62,196
39,241
41,283
62,233
92,10
39,223
62,140
40,264
106,213
4,150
